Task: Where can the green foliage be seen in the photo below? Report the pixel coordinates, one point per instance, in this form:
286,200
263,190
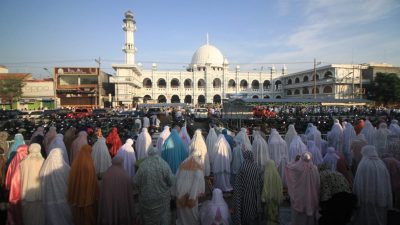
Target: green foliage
11,89
386,88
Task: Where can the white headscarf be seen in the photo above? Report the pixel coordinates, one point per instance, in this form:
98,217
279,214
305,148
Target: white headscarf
210,142
349,134
394,127
183,134
142,144
369,132
100,155
315,135
260,150
215,211
278,149
290,134
221,162
331,158
127,153
163,136
335,136
243,140
316,153
58,142
381,136
372,180
199,145
297,147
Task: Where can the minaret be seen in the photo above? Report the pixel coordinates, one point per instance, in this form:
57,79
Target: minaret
129,28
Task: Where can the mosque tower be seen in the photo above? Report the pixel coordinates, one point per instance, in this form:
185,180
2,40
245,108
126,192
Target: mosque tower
129,28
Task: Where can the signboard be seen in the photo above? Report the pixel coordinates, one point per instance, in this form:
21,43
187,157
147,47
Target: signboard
76,70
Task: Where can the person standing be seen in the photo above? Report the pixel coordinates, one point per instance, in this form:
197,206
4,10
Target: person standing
221,164
303,182
188,188
116,204
127,153
153,181
32,209
77,144
272,192
100,155
83,188
373,189
174,151
215,211
113,142
246,194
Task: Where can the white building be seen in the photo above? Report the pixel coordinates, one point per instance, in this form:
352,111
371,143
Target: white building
207,79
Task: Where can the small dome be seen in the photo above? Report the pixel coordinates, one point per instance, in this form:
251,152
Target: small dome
208,54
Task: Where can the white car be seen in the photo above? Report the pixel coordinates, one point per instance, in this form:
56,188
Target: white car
200,113
35,114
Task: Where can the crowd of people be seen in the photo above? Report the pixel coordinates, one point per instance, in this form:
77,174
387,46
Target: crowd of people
88,175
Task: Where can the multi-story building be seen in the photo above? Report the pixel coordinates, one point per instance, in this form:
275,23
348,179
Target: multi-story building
38,94
81,87
207,79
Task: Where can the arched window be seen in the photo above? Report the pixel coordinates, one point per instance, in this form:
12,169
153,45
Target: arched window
187,83
175,99
201,99
231,83
147,83
305,91
175,83
161,83
278,84
289,81
266,84
216,83
305,78
188,99
267,96
328,74
278,97
328,89
289,92
297,80
255,84
255,96
162,99
201,83
217,99
296,92
243,84
146,97
316,89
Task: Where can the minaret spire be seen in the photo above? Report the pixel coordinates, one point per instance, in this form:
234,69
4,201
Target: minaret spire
207,39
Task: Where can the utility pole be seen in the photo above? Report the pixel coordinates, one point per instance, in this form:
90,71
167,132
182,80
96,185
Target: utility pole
315,78
98,95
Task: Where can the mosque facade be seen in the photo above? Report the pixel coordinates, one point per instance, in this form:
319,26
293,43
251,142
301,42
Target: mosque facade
208,78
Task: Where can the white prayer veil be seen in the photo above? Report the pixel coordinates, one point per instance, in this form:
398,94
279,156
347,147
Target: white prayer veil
163,136
369,132
394,127
215,211
290,134
381,136
58,142
199,145
335,136
349,134
297,147
100,155
277,147
142,144
331,158
243,140
260,150
372,180
221,161
210,142
316,153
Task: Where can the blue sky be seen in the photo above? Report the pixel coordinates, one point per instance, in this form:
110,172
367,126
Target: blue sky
253,33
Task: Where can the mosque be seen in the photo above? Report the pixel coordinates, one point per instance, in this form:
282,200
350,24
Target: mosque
207,79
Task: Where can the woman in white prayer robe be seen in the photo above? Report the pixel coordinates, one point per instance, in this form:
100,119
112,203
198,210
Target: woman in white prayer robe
58,142
199,145
183,134
260,150
215,211
290,134
394,127
316,153
188,188
221,164
373,189
296,148
315,135
349,134
381,137
278,151
335,136
127,153
100,155
369,132
142,144
54,177
243,139
210,142
163,136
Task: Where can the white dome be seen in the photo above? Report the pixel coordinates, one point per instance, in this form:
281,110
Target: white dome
208,54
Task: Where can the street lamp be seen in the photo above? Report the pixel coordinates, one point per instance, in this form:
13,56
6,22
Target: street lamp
54,86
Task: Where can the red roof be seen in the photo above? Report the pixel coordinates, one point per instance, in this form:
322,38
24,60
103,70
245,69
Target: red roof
22,76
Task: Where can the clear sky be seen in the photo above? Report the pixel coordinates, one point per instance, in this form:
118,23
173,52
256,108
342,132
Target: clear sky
252,33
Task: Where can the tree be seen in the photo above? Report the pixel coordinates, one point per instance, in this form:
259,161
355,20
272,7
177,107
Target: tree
10,89
386,88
